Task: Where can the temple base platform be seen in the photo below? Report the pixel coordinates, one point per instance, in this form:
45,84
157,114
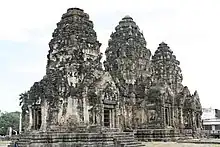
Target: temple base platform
65,139
158,135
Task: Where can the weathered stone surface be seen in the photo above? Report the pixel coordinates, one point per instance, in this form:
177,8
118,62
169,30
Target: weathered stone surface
166,68
128,62
133,92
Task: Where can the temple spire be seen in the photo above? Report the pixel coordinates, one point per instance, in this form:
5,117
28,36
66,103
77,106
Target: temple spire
166,67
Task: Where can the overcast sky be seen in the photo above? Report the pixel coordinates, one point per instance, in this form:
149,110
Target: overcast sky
190,27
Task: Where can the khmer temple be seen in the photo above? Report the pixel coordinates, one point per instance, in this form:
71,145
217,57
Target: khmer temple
133,96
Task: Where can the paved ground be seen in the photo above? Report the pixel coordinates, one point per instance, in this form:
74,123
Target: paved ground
173,144
3,143
158,144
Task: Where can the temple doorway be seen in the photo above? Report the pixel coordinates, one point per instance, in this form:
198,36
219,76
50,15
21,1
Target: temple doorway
197,121
37,119
107,117
167,117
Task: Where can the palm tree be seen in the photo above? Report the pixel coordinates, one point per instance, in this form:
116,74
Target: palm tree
24,100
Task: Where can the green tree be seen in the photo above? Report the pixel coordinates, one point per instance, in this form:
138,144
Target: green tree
9,119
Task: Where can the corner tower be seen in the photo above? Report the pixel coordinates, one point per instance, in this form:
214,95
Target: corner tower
74,40
73,65
165,68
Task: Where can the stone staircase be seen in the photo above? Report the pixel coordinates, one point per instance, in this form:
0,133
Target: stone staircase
157,135
24,140
126,139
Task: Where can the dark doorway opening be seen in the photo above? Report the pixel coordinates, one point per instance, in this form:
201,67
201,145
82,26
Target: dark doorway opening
106,117
38,120
167,117
197,121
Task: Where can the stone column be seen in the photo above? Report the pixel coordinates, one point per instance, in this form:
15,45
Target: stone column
127,119
172,116
163,116
44,114
213,127
30,118
93,116
74,109
191,121
181,125
34,118
85,111
194,128
60,107
37,119
85,107
99,115
80,109
169,117
100,118
110,118
102,115
200,121
113,118
117,113
161,106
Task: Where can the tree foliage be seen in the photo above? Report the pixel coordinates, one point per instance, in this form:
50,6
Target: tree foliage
9,119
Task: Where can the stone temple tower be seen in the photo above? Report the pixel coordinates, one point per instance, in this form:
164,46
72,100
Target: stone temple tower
73,61
128,62
165,68
74,41
127,58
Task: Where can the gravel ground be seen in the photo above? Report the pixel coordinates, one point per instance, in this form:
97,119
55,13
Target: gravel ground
174,144
158,144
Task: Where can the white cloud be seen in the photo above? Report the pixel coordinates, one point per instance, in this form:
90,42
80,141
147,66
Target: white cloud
191,29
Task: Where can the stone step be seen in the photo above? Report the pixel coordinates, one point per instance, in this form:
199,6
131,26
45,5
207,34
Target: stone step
20,145
23,139
136,145
130,143
123,134
120,133
126,142
124,138
23,144
128,137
